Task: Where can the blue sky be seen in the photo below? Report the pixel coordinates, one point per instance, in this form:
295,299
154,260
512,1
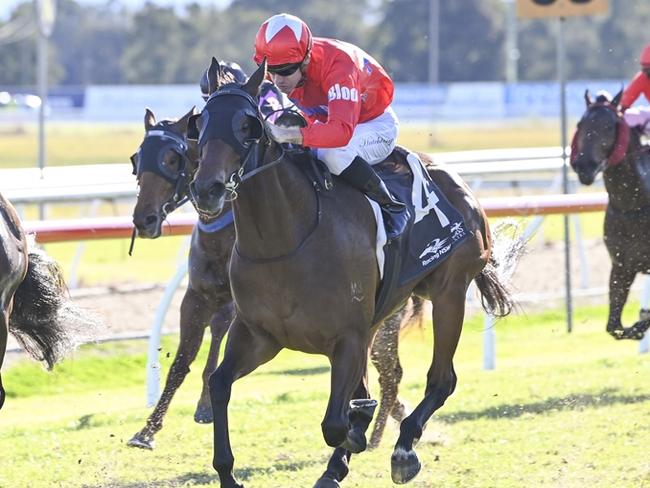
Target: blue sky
6,6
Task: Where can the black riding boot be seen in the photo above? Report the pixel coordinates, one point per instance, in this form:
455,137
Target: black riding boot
362,177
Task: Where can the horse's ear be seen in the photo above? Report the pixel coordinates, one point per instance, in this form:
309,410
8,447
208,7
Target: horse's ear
214,75
192,127
588,99
252,86
182,123
149,119
617,99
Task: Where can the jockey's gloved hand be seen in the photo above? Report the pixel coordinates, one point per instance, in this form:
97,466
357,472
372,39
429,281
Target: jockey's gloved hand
281,134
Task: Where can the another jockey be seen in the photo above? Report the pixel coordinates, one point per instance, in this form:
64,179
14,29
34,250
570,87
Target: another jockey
346,95
638,116
230,67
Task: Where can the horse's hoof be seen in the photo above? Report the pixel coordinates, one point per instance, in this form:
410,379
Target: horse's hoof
141,442
404,466
203,415
617,333
637,331
327,483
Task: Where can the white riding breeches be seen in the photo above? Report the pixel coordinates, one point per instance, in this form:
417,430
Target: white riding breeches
638,116
373,141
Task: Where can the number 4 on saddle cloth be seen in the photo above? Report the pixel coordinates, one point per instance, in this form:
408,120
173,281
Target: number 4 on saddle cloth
433,232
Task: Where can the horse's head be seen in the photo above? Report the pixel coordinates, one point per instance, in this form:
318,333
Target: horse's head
601,137
230,130
163,165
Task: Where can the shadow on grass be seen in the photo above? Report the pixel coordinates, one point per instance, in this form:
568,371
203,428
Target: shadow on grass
205,479
570,402
298,372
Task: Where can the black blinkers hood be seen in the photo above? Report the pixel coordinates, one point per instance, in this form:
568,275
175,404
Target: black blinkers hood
150,155
223,114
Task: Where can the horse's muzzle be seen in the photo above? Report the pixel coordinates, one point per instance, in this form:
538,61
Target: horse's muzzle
208,199
149,226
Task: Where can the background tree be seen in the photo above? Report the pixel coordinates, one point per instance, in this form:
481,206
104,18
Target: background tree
107,43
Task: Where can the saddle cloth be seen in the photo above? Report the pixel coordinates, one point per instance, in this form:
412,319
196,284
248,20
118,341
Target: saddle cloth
434,230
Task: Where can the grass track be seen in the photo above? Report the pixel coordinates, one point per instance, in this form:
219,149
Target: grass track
560,410
77,143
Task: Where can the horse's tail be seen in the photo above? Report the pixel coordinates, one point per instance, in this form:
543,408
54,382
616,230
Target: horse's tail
494,281
43,319
413,313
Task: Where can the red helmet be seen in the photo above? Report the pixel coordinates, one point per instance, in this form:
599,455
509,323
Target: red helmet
282,39
645,57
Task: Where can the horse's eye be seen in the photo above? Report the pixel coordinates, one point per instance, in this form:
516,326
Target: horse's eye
172,163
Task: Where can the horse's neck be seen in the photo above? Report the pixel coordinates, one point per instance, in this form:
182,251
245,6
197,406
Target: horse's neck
274,211
627,183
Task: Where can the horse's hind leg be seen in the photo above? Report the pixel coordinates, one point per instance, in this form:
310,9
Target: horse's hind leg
620,281
448,314
244,352
218,328
384,355
195,313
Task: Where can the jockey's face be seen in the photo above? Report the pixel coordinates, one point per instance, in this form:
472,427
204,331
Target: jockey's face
287,83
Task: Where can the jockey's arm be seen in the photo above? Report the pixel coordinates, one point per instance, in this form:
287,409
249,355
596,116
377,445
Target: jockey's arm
343,107
634,89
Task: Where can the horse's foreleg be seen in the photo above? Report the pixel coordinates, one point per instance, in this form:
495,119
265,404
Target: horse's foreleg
360,416
4,332
448,315
620,281
195,313
349,362
384,355
244,352
218,328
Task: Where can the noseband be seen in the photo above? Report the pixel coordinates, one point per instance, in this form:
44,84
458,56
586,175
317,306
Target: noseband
149,158
619,150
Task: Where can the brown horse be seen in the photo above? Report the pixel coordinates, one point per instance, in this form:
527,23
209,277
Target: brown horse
603,142
164,167
304,277
34,304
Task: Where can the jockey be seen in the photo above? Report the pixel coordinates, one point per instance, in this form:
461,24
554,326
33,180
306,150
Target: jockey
638,116
346,96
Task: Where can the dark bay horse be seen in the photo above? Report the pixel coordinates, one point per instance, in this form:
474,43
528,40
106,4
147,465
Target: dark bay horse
34,303
603,142
304,276
164,168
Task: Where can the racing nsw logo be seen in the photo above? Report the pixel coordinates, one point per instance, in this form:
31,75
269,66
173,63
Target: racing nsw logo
338,92
438,247
434,250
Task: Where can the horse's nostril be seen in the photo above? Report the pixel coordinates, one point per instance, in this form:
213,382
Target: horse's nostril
216,190
151,219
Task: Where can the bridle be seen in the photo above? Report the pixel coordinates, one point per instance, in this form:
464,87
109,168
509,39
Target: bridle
228,106
149,158
619,150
